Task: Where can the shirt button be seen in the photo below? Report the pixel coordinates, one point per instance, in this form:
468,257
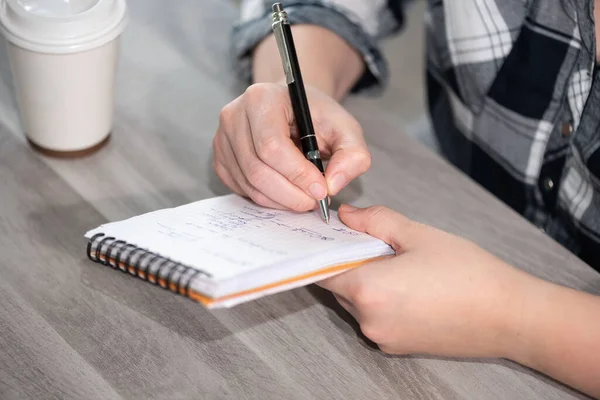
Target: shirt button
548,184
567,129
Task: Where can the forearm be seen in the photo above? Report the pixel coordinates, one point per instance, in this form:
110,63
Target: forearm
327,62
558,333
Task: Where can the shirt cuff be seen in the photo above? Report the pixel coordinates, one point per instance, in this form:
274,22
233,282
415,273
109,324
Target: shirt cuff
248,34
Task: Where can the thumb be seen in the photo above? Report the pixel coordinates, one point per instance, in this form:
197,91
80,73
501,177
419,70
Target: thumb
381,222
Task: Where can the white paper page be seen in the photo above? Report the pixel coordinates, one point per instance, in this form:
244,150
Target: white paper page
229,235
267,292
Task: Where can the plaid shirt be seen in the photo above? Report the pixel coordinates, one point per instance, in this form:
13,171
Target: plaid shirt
512,93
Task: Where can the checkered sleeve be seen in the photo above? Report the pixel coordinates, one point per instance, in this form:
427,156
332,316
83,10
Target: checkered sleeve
361,23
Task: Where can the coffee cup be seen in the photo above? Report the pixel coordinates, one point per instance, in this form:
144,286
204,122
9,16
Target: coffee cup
64,56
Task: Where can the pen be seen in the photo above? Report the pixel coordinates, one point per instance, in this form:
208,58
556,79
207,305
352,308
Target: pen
293,77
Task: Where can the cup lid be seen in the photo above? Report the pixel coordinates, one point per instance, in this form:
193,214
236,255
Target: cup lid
62,26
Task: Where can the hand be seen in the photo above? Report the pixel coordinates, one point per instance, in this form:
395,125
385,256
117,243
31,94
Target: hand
440,294
256,149
443,295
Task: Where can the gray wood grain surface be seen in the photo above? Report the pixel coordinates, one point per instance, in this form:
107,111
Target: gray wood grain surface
71,329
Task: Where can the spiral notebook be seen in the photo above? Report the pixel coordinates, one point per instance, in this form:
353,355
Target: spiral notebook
227,250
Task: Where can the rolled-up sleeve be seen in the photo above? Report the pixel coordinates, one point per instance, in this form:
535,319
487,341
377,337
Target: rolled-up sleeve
361,23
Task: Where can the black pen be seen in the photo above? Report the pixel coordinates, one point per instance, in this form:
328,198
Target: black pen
285,43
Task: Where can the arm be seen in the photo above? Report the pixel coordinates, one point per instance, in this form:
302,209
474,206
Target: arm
328,63
337,42
559,335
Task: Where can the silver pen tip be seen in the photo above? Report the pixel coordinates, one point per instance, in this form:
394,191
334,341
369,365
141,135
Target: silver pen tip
324,206
277,7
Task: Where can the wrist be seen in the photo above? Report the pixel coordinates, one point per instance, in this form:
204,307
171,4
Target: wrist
553,329
527,318
322,86
512,317
327,62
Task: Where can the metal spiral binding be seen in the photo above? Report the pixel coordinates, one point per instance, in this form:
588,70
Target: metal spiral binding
158,270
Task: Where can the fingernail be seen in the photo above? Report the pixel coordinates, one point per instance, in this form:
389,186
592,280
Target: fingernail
317,191
337,183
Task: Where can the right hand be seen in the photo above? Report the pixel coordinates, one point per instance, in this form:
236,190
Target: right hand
257,153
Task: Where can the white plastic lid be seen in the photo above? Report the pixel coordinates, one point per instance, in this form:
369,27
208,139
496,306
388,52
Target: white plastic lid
62,26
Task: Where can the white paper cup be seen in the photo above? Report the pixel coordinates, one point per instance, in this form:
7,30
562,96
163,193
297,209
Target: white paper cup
64,57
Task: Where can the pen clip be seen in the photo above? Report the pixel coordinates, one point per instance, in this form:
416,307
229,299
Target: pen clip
280,18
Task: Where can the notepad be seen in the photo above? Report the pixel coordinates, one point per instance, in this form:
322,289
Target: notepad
227,250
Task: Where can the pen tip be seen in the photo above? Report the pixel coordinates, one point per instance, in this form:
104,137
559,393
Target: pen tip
277,7
323,204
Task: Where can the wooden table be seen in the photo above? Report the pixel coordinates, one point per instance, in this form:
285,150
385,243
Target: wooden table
73,329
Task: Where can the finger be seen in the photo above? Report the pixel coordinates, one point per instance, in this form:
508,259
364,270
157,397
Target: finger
342,285
393,228
347,305
233,120
350,156
264,178
219,159
270,121
338,286
227,179
247,190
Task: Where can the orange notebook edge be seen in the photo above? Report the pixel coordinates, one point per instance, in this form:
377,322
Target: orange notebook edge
208,301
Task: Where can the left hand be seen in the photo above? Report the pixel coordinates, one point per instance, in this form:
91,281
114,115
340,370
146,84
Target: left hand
439,295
